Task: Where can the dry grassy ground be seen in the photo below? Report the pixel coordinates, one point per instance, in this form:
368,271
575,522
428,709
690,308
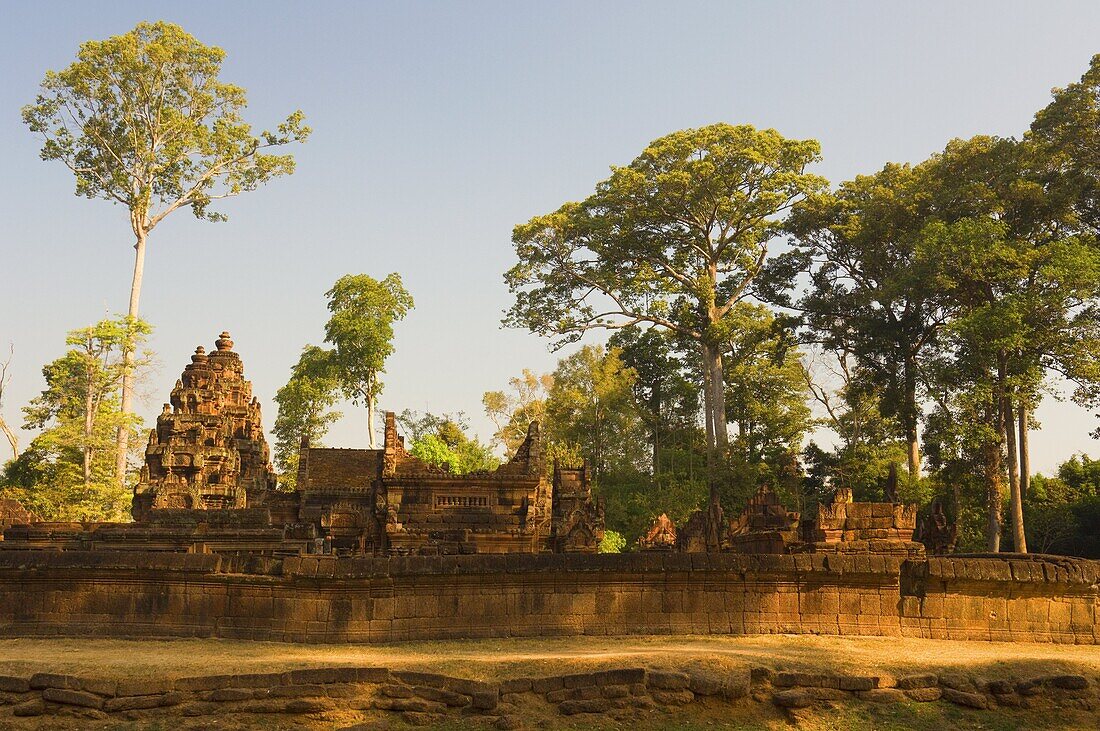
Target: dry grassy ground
498,659
505,658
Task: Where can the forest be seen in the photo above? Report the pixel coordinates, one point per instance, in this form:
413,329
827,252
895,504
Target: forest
726,318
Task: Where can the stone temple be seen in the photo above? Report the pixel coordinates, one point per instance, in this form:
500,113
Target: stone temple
208,450
208,487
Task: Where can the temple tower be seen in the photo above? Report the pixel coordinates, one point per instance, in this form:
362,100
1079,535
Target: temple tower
208,450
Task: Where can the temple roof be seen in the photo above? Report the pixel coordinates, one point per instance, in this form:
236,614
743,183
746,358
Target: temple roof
339,468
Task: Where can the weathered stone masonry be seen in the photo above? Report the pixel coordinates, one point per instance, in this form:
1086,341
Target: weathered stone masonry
385,599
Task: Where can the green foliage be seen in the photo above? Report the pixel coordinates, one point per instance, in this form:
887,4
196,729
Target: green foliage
1063,512
612,542
869,295
1068,131
142,119
674,240
442,441
766,389
689,218
360,330
590,405
868,449
68,470
305,410
513,411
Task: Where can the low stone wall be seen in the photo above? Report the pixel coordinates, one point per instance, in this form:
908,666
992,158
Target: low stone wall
629,695
322,599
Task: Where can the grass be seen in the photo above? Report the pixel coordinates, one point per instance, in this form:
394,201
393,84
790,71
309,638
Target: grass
504,658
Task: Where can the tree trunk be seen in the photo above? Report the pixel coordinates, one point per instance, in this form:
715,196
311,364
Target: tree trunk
1015,503
992,459
910,419
13,439
1025,470
712,355
370,420
126,407
708,417
655,410
89,424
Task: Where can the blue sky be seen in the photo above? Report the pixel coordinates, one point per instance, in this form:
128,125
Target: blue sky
439,126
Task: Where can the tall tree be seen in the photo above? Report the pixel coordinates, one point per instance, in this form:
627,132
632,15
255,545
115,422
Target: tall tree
143,121
68,468
868,295
361,333
675,240
1022,287
305,409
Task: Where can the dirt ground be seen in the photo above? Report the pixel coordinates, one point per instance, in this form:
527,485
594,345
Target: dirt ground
508,658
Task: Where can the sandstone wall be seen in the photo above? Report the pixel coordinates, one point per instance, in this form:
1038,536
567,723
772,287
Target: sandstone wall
321,599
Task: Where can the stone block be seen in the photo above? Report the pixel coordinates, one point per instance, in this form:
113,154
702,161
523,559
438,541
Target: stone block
827,694
203,682
449,697
308,705
926,680
516,685
99,686
321,676
667,680
673,697
33,707
131,703
595,705
963,698
622,676
68,697
545,685
485,700
924,694
561,694
223,695
957,681
172,698
1069,682
433,680
579,680
418,705
882,695
616,691
793,698
11,684
857,683
39,681
297,691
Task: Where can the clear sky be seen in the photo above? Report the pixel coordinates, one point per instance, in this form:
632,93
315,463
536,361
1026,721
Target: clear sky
439,126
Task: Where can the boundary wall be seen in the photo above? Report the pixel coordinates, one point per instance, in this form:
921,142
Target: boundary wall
324,599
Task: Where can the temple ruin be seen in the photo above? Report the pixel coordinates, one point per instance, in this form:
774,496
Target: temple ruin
208,486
